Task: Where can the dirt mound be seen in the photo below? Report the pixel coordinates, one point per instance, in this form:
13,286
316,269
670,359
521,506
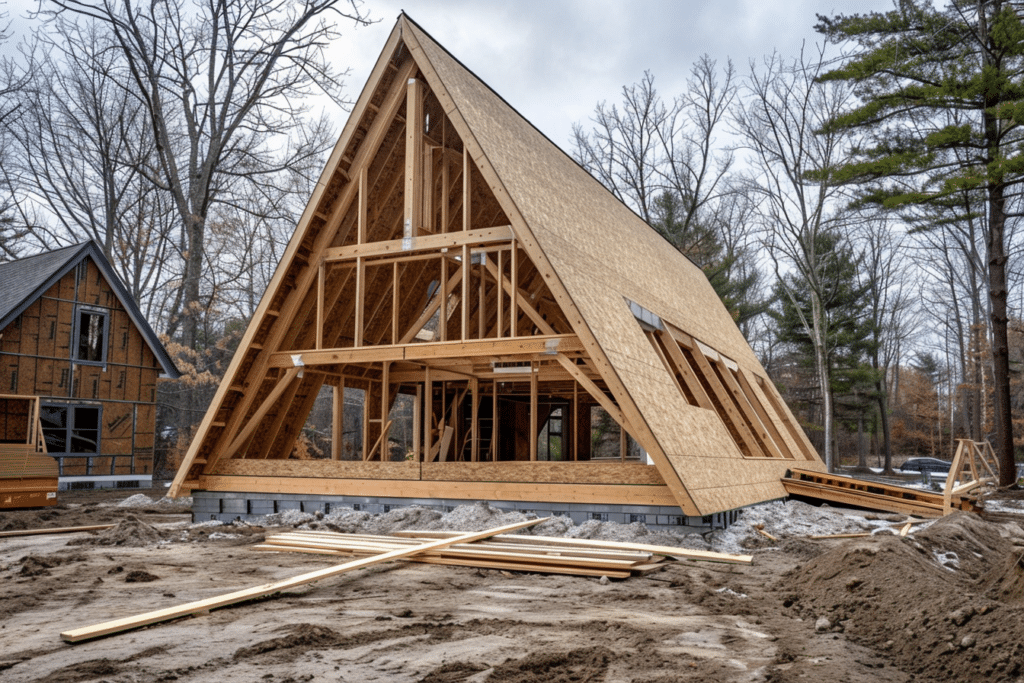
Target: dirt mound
931,601
303,637
453,672
84,671
140,576
587,664
13,524
40,565
131,532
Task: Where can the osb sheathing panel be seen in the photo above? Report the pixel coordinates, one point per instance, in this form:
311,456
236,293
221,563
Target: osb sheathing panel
576,220
603,253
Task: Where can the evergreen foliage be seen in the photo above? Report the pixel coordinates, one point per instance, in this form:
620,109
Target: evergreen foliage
940,118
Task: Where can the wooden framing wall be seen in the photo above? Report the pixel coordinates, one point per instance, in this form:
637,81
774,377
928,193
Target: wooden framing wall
424,265
37,359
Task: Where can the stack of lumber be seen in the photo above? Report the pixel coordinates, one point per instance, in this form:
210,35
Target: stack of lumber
874,495
27,478
542,554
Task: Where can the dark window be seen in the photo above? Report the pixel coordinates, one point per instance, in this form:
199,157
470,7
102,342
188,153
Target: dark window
92,333
70,429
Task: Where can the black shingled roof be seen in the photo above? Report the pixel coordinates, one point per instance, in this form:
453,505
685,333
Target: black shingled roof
25,280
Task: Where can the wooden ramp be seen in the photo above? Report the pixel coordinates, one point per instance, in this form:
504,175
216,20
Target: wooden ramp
837,488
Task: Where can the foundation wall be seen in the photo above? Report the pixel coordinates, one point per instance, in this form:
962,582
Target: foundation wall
227,506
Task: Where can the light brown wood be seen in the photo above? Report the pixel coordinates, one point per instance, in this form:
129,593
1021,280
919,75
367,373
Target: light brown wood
57,530
413,158
479,563
320,284
337,420
663,550
533,411
631,473
594,391
130,623
750,416
360,302
540,344
283,383
423,243
395,277
381,440
475,420
394,98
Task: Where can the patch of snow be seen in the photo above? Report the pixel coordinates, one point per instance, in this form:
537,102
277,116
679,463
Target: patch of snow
729,591
139,500
1013,507
793,519
948,559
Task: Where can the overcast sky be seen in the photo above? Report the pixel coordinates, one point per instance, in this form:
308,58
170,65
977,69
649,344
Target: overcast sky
554,60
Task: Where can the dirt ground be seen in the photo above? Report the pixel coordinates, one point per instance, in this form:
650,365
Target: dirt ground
945,603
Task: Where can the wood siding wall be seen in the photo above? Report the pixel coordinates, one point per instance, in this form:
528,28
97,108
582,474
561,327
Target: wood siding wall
36,359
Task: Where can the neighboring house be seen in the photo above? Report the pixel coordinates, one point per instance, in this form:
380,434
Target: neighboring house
71,334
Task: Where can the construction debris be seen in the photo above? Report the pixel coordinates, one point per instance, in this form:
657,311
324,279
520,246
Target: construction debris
579,557
129,623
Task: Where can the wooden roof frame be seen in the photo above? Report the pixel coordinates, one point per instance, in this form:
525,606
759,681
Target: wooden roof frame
538,234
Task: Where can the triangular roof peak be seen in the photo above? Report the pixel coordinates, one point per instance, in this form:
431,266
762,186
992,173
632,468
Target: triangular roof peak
449,238
26,279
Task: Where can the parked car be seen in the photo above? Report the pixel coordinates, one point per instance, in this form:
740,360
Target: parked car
926,465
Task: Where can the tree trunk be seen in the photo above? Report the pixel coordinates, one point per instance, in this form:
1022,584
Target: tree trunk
821,363
1000,337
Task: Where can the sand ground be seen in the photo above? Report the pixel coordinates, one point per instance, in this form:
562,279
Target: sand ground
944,603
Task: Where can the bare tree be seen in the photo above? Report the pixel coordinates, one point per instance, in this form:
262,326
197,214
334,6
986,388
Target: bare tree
220,81
778,119
650,147
890,288
74,142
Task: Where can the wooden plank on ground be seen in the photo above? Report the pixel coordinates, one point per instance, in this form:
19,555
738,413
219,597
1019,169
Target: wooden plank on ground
57,530
663,550
129,623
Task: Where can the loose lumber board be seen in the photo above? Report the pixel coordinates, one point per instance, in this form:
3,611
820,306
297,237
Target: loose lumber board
482,564
57,530
513,554
664,550
130,623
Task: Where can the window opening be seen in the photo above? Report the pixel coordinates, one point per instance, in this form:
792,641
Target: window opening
90,347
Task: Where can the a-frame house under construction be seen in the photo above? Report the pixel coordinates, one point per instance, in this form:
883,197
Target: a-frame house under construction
452,254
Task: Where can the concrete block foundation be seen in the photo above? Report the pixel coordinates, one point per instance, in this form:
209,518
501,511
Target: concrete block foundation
247,507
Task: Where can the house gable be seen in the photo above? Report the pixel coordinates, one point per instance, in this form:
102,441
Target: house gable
468,262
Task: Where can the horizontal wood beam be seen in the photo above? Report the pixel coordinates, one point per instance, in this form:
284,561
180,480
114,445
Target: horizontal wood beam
447,240
552,344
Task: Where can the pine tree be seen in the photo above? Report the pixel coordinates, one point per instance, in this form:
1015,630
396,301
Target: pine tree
848,336
940,116
737,287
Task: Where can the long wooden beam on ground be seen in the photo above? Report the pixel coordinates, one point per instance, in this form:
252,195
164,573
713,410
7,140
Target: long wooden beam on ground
58,530
129,623
663,550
